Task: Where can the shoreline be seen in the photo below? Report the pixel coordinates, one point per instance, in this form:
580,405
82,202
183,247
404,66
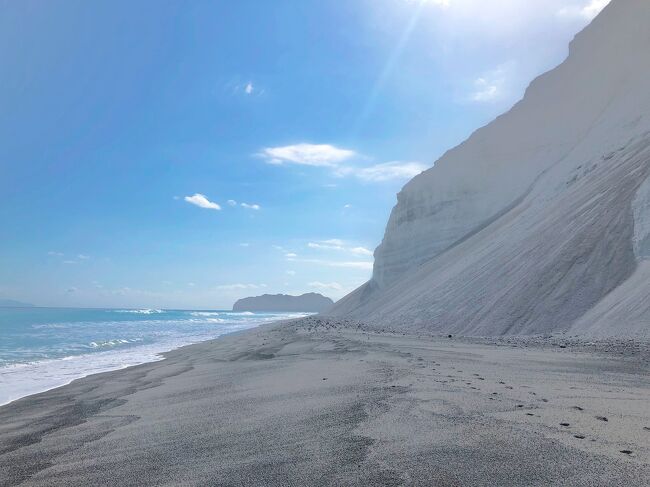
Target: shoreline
319,402
147,353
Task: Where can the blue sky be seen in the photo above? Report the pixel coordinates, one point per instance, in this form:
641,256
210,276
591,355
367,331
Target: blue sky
185,154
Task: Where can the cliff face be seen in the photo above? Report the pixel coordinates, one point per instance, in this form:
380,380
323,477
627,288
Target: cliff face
306,303
539,216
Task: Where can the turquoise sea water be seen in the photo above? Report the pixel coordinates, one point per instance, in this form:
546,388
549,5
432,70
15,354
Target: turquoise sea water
42,348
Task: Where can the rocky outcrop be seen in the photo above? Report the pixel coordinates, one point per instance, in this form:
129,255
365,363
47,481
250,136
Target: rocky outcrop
539,216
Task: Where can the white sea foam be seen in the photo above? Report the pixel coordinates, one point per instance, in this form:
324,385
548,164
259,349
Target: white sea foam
22,379
71,349
139,311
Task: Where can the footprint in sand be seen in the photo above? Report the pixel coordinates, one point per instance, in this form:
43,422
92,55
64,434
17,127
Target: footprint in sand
602,418
578,408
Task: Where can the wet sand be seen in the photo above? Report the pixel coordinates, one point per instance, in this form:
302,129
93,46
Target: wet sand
318,403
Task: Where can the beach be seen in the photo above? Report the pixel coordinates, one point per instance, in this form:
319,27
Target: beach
322,402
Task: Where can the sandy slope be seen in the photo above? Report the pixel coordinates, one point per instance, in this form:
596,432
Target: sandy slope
315,403
540,215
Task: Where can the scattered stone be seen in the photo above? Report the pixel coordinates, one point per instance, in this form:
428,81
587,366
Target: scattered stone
564,424
580,437
627,452
602,418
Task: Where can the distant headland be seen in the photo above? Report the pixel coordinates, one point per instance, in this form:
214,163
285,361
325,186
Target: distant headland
309,302
10,303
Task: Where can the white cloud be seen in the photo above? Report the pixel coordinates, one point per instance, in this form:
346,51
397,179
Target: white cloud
323,155
333,241
249,88
290,273
291,255
339,245
326,245
361,251
587,11
201,201
70,262
232,203
250,207
333,286
55,254
244,244
347,207
334,263
83,257
437,3
384,172
240,286
493,85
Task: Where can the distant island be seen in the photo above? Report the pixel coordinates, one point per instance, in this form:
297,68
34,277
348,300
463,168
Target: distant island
309,302
10,303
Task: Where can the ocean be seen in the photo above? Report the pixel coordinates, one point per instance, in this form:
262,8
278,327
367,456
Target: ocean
43,348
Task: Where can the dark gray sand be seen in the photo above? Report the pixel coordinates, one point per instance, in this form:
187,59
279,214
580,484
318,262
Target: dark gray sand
316,403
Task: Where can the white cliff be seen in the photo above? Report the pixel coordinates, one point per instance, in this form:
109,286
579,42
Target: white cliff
539,219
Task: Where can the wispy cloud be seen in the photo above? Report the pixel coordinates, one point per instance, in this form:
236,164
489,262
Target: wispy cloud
492,85
202,201
334,263
231,203
251,206
332,286
388,171
332,244
83,257
290,273
228,287
588,11
329,156
323,155
361,251
55,254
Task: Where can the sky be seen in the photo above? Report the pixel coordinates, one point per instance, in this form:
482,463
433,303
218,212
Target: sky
186,154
